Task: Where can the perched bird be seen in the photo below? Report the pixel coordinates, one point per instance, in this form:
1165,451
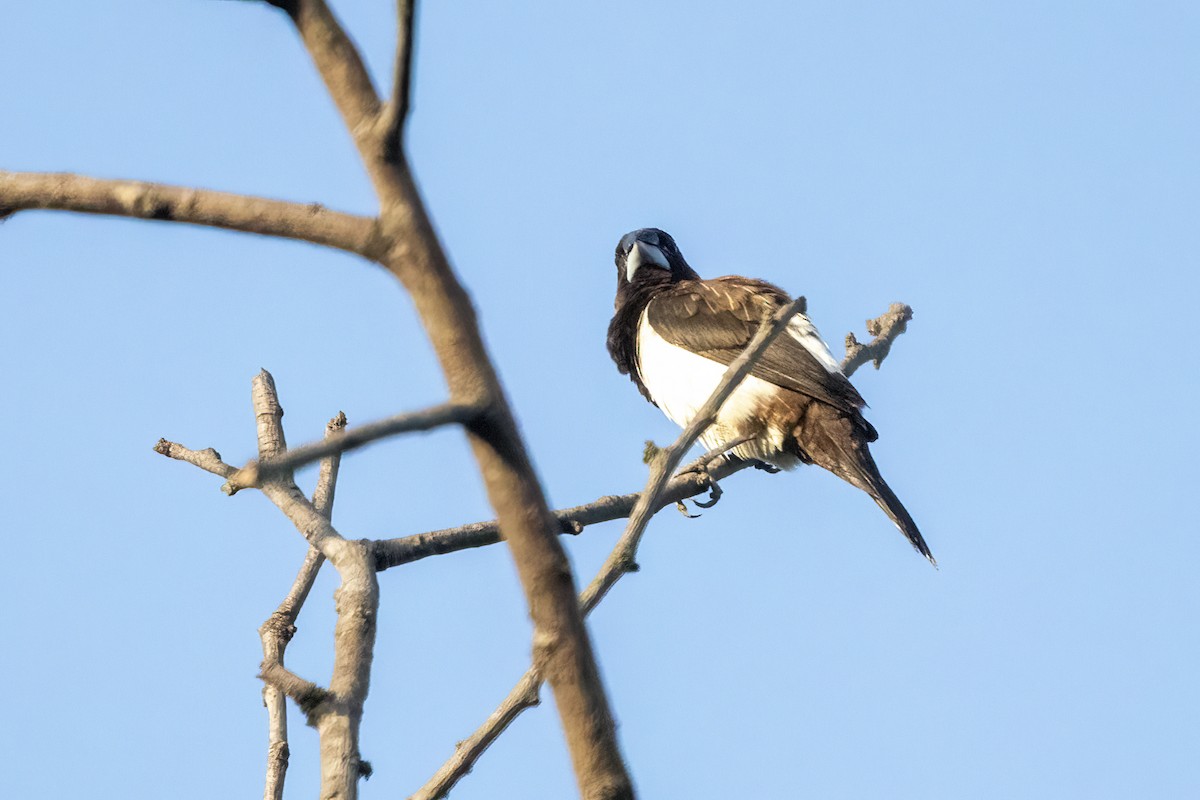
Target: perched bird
674,334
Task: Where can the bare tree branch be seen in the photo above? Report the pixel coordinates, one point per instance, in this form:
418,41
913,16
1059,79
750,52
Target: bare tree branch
396,111
410,249
280,627
339,714
352,439
208,460
311,698
885,328
326,488
622,559
312,222
394,552
339,64
524,695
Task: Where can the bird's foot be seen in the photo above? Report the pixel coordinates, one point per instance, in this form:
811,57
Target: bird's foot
714,495
704,468
770,469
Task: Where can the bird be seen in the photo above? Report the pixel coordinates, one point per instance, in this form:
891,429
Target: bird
674,334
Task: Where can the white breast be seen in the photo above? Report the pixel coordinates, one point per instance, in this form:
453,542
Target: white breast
680,381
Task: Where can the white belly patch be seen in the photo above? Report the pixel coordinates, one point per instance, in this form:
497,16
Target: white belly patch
680,381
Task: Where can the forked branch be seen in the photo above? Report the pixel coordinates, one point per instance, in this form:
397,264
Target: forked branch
264,470
280,627
884,328
409,247
336,713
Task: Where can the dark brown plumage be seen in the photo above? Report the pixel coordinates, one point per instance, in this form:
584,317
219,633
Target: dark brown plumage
673,333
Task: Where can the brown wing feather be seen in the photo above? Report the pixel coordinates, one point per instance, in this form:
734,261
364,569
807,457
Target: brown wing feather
716,319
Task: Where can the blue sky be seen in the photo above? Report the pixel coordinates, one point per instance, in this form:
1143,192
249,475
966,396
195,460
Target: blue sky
1025,175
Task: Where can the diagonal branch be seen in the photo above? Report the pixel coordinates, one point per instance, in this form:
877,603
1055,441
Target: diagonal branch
524,695
312,222
262,471
208,460
885,328
622,558
394,552
338,62
313,700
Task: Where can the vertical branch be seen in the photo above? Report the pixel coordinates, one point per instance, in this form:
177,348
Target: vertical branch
396,111
280,627
408,246
339,713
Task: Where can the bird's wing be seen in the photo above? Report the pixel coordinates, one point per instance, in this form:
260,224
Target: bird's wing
717,318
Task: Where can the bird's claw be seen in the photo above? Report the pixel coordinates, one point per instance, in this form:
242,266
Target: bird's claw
702,468
683,509
714,495
770,469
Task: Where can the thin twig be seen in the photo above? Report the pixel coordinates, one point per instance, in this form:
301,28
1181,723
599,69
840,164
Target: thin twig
310,222
524,695
262,471
884,328
313,700
403,550
208,460
395,113
280,627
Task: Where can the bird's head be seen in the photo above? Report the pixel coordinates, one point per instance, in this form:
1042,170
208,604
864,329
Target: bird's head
648,256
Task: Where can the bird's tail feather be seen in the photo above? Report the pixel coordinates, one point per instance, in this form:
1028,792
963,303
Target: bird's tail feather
886,499
848,457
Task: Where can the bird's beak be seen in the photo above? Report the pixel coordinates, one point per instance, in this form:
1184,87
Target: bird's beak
641,254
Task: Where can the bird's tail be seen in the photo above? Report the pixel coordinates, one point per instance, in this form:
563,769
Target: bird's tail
886,499
840,446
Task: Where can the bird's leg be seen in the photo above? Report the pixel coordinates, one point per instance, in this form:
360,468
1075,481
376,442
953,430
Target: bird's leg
770,469
704,465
